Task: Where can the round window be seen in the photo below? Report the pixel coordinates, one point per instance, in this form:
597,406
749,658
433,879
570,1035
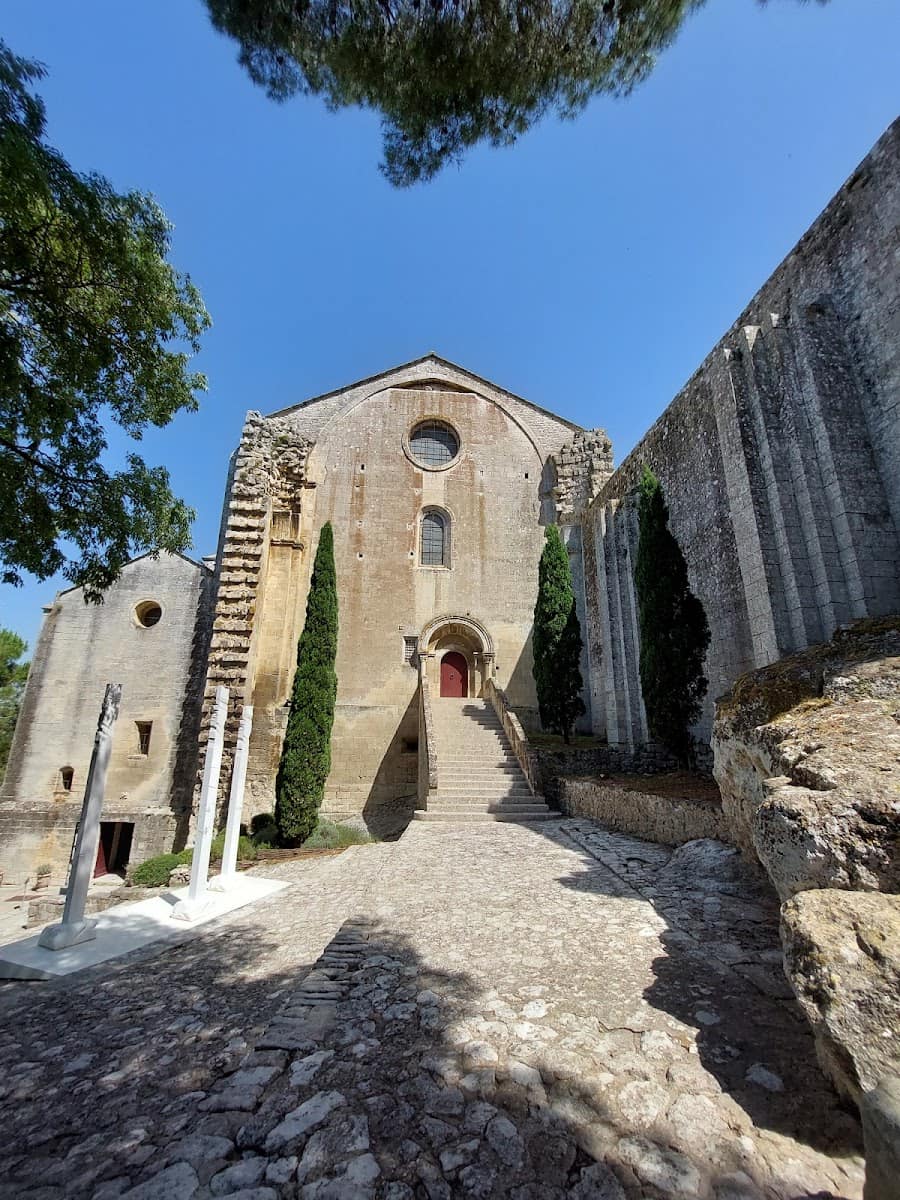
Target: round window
148,613
433,445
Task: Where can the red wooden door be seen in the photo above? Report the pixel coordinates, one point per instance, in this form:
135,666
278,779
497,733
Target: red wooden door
454,675
100,864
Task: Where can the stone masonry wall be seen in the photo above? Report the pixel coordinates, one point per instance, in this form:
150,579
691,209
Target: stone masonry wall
554,767
671,822
580,469
267,474
81,648
573,478
780,462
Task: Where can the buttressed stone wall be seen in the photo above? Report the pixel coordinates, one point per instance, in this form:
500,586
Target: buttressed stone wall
780,462
161,667
351,463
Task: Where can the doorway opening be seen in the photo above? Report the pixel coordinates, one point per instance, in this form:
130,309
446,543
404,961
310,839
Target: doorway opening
114,848
454,675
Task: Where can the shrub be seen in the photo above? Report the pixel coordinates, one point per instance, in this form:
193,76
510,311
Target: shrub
246,848
673,626
263,830
306,753
557,640
328,835
154,872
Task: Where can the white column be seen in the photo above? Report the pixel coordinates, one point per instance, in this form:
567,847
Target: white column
197,898
228,876
74,928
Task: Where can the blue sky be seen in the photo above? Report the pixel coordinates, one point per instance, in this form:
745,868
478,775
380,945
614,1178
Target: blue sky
590,268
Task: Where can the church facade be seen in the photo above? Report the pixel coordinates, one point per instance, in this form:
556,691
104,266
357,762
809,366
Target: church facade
780,462
437,484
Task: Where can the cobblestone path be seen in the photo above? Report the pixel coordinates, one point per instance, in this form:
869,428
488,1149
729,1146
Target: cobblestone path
537,1013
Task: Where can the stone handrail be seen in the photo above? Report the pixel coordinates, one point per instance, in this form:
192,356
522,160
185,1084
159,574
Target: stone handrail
518,738
427,743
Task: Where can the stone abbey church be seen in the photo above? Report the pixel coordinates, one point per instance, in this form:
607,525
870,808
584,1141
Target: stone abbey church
780,462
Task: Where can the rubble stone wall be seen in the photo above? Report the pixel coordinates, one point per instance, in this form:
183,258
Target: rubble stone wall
644,815
261,536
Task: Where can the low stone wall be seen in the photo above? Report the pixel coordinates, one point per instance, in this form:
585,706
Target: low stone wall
518,738
555,766
48,909
662,819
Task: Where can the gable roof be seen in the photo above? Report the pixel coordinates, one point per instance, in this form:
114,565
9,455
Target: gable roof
441,365
76,587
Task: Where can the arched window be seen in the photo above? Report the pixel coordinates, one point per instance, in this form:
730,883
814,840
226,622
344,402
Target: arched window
435,548
66,778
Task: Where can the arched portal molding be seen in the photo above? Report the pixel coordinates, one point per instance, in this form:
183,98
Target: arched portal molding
456,628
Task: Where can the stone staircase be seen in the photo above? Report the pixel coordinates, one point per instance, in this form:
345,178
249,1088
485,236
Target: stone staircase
479,777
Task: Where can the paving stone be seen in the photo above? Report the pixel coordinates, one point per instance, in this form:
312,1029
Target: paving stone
178,1182
505,1140
354,1180
244,1174
302,1119
303,1070
597,1182
346,1136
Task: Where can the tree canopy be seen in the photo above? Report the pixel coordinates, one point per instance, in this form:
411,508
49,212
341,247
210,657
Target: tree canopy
95,326
447,74
556,641
673,626
13,674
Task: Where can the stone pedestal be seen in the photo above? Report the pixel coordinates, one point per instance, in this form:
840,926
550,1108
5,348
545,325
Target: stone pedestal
193,905
74,927
227,878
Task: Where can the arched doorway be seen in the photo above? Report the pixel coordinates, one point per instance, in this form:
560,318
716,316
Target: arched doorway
454,675
461,642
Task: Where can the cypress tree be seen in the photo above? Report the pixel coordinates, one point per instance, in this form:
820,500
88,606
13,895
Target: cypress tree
673,627
306,753
557,640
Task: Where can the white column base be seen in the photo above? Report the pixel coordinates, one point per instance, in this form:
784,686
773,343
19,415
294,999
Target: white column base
189,910
68,933
223,883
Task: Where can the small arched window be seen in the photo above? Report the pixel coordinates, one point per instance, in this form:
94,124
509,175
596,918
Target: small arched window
435,550
66,779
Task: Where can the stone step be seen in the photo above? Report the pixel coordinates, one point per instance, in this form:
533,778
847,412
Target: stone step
511,806
455,818
506,756
454,793
464,779
485,768
475,731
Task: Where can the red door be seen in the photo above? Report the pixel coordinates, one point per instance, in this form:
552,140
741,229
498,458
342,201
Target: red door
454,675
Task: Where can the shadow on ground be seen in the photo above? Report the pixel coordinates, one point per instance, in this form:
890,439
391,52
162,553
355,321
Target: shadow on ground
721,975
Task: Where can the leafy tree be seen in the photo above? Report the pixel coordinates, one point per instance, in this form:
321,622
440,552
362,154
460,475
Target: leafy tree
673,627
306,753
557,640
448,74
89,312
13,674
